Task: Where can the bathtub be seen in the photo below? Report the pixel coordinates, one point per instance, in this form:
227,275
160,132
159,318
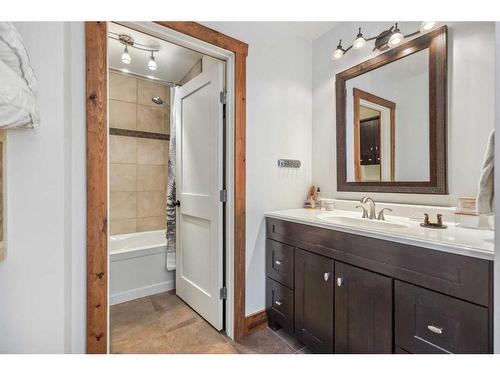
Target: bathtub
137,266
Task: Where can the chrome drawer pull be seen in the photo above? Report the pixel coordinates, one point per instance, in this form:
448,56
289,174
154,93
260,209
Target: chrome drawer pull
277,262
435,329
327,276
278,303
340,281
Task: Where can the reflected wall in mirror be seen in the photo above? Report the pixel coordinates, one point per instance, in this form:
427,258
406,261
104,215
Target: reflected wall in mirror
391,120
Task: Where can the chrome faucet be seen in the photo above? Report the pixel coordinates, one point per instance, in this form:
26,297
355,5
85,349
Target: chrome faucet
371,212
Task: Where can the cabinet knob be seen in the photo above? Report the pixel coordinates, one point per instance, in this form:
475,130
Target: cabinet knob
340,281
278,303
434,329
327,276
277,262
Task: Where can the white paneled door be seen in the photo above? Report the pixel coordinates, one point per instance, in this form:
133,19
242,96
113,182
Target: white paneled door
199,179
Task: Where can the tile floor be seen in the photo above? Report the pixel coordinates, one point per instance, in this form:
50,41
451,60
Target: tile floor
163,323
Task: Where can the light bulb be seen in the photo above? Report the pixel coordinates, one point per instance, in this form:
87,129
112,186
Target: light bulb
126,57
427,26
152,63
360,41
396,38
339,52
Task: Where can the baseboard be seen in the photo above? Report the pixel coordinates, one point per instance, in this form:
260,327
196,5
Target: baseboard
255,322
141,292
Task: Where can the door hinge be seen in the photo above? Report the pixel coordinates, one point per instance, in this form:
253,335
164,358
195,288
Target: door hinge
223,196
223,97
223,293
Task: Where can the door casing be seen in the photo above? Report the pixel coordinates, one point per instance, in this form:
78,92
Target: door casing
205,40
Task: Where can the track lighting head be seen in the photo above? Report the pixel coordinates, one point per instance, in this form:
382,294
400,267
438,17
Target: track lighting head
152,63
396,38
360,41
339,52
427,26
126,59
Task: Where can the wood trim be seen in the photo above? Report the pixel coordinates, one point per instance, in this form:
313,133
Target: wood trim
359,95
208,35
97,186
96,42
436,41
255,322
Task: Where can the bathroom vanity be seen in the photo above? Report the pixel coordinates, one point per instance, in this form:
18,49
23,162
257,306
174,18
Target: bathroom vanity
343,287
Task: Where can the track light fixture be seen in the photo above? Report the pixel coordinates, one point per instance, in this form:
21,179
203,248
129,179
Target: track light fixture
128,41
389,38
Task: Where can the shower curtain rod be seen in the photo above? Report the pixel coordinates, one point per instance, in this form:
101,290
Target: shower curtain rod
171,83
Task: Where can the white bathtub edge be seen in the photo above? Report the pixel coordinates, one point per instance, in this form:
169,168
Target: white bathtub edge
145,291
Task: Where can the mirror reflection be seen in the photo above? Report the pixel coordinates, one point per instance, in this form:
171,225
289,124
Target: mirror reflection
387,122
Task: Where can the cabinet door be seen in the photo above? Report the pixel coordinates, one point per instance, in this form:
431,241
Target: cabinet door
314,301
363,311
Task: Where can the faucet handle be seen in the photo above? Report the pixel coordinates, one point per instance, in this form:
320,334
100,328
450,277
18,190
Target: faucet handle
365,213
381,215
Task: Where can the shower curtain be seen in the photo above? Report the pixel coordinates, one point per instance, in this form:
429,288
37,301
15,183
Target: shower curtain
171,208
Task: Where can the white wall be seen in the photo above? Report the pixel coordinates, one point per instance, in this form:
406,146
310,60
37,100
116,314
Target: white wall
471,49
278,126
42,300
496,287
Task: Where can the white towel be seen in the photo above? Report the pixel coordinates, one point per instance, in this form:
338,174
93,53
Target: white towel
485,195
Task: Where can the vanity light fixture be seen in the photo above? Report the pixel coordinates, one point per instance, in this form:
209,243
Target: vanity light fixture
389,38
360,41
396,38
339,52
128,41
152,63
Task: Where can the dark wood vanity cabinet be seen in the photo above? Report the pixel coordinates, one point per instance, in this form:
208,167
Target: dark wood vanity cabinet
344,293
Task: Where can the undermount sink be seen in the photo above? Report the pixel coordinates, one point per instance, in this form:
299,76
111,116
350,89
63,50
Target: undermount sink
362,223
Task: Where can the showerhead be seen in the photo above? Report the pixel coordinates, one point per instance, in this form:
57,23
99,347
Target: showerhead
157,100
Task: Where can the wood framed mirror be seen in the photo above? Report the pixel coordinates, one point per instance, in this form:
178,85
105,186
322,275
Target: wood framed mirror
391,120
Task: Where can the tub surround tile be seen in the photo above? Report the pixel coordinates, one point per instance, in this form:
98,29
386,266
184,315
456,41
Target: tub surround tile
122,115
122,226
122,87
151,119
151,203
145,224
123,177
151,151
123,205
122,150
151,177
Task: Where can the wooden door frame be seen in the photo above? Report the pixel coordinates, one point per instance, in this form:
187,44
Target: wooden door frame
359,95
97,179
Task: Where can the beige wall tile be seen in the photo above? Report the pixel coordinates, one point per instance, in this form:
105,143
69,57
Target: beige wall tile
167,120
146,90
151,203
151,178
123,177
151,119
122,150
122,226
122,115
122,87
151,151
123,205
151,223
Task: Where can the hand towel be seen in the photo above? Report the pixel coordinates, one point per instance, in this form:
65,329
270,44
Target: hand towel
485,195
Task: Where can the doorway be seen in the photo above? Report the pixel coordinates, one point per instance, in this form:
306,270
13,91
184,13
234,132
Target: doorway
233,53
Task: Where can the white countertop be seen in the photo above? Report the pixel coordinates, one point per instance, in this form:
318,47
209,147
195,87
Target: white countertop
478,243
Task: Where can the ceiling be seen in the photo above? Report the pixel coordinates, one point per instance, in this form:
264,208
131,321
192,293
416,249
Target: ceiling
173,61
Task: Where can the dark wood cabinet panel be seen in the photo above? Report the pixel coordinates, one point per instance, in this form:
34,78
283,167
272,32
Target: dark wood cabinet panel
369,134
363,311
279,305
429,322
314,301
280,262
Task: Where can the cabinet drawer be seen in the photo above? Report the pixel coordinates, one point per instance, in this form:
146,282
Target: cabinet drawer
429,322
280,262
279,303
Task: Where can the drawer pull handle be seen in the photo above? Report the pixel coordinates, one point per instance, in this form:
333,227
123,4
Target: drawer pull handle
340,281
278,303
277,262
434,329
327,276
